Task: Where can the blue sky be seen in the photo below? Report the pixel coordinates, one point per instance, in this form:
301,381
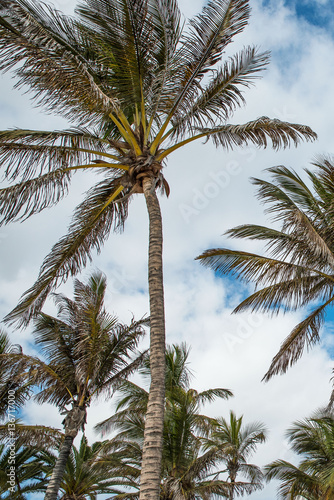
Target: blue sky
316,12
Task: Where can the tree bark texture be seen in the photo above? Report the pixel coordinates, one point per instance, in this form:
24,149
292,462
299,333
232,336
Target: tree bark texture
59,469
154,421
73,421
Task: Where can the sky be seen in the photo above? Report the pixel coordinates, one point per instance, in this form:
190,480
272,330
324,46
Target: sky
210,193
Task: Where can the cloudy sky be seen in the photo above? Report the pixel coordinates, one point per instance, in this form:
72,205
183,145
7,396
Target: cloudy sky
210,193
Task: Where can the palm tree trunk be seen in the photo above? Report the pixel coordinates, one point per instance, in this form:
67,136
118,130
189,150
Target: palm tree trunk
152,449
59,469
73,421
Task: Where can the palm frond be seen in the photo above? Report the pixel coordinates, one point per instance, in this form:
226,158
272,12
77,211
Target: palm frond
210,395
259,132
305,334
294,481
223,94
35,372
263,270
203,44
287,182
166,18
92,222
125,38
46,51
303,244
29,153
19,202
36,436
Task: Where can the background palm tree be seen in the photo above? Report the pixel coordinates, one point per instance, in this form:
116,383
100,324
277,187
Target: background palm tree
313,478
135,86
237,442
189,470
9,384
299,268
88,353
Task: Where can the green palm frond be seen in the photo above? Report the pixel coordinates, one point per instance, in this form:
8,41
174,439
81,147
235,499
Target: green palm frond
36,436
299,268
294,482
289,285
301,243
210,395
248,266
121,34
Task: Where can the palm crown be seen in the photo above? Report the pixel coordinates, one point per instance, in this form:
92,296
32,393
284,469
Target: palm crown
135,86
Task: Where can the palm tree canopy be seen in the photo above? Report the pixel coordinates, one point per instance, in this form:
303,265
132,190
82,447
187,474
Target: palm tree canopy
87,351
298,270
135,84
10,388
234,443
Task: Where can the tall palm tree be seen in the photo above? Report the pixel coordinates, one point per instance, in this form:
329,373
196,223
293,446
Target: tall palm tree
135,86
87,352
299,268
313,478
237,442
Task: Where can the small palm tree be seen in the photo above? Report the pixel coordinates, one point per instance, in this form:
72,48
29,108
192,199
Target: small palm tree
135,87
313,479
12,393
236,443
299,268
86,474
88,353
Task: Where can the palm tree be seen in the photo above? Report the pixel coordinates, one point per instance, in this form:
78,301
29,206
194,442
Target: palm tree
22,463
313,478
237,443
12,393
299,268
88,353
87,474
135,86
24,478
